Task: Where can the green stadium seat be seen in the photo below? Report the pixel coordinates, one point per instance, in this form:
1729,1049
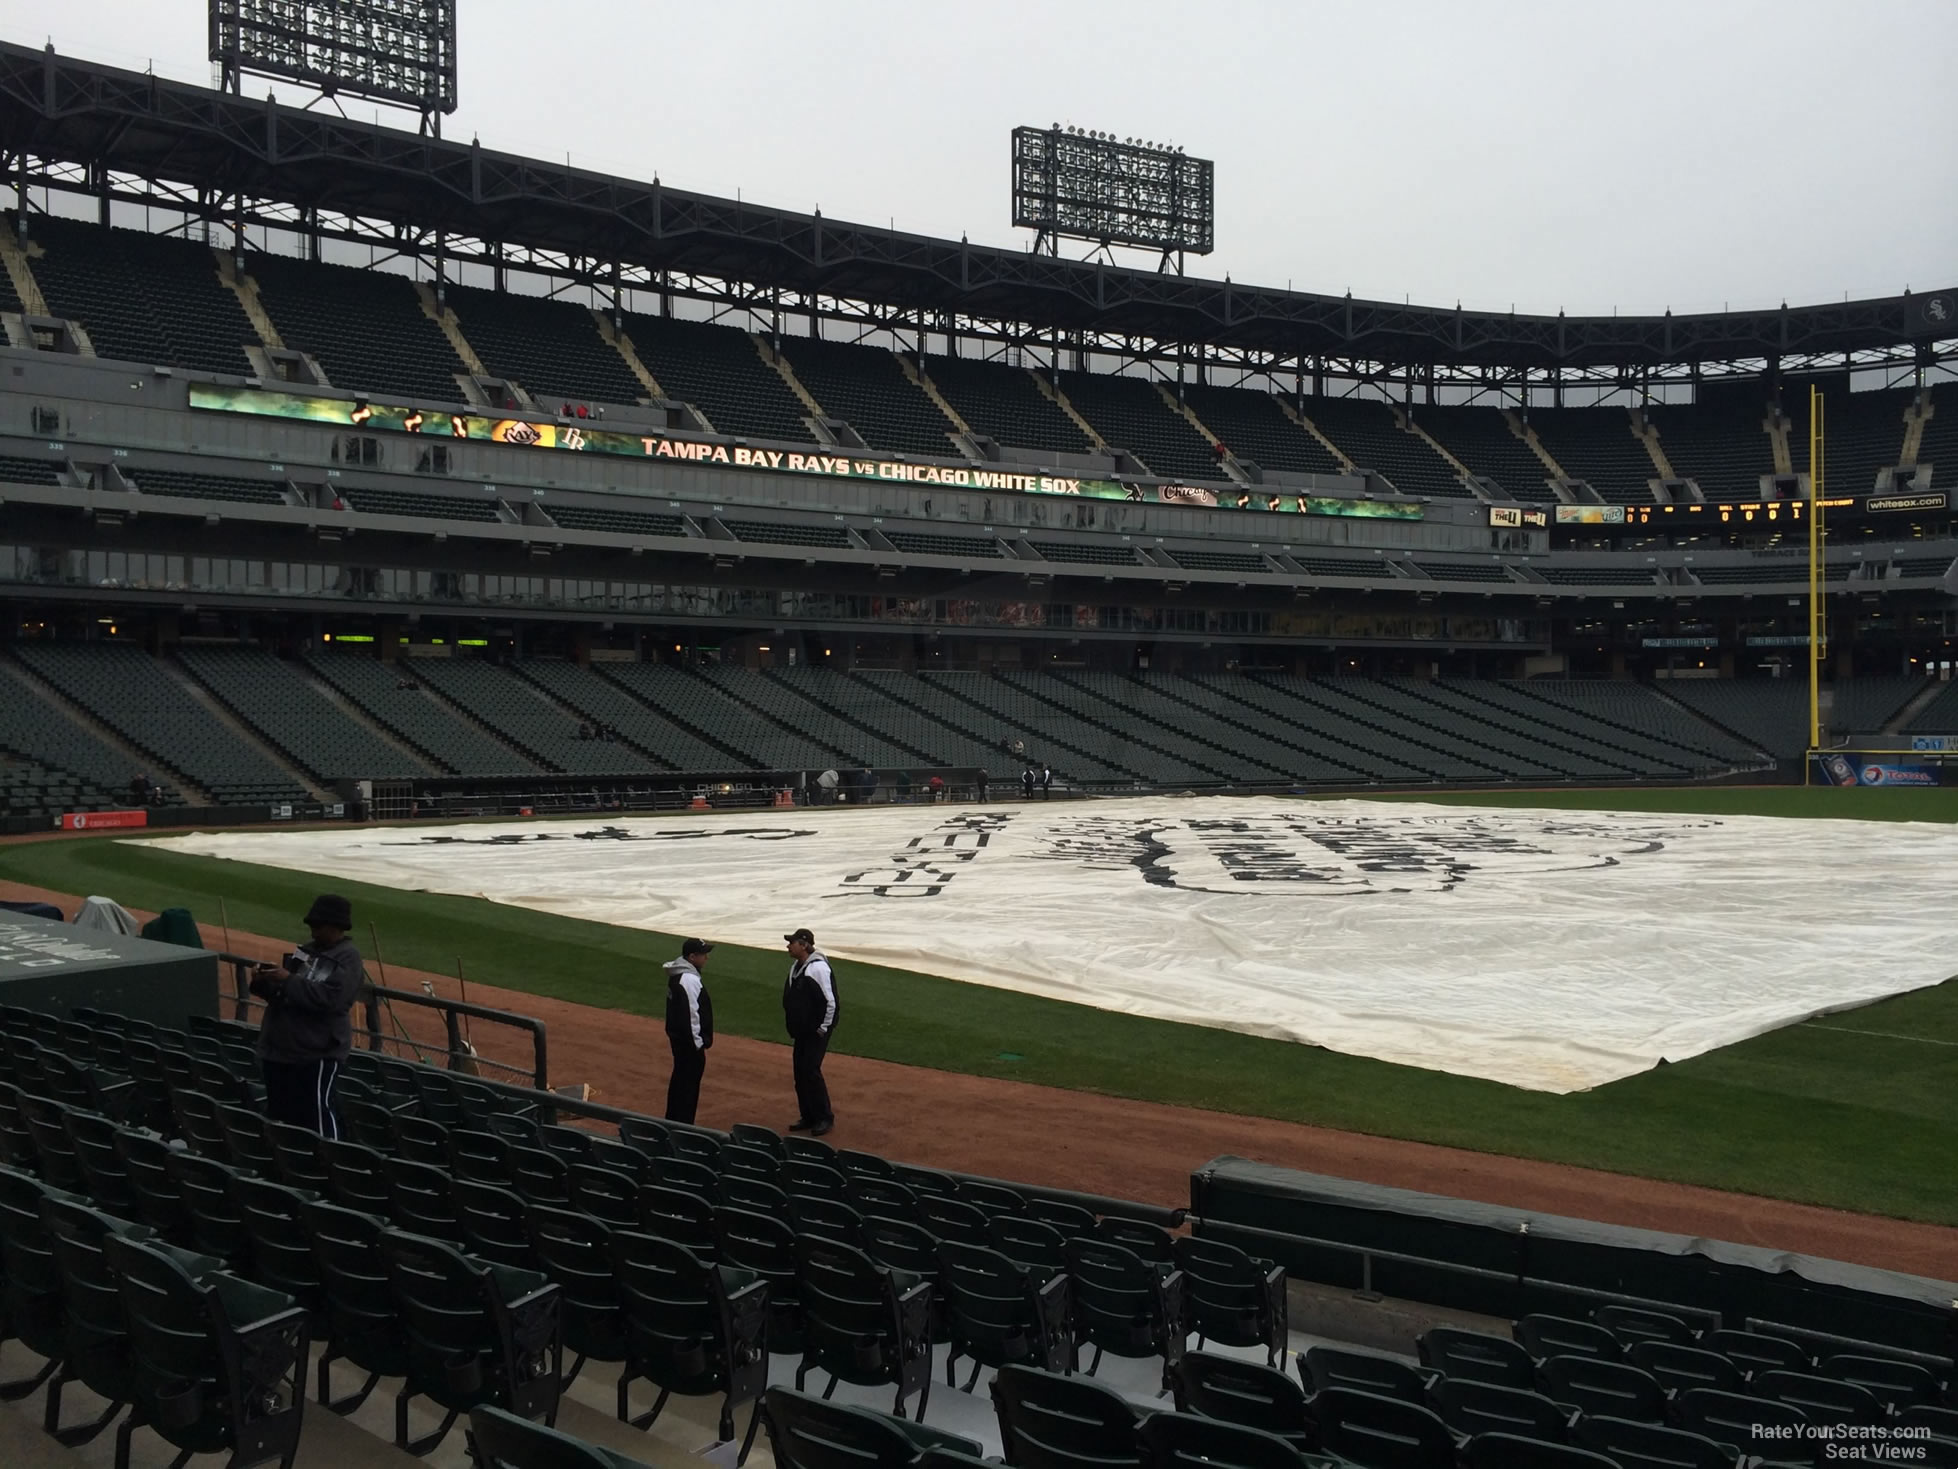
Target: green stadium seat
1321,1368
998,1312
1483,1358
1233,1298
1244,1393
1381,1433
1614,1389
502,1440
764,1245
1055,1422
575,1251
1512,1451
95,1351
475,1333
1186,1441
495,1222
692,1327
33,1311
1470,1408
1552,1336
865,1323
1650,1446
1126,1305
220,1363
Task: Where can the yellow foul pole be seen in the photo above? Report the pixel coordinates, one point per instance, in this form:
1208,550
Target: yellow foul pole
1818,619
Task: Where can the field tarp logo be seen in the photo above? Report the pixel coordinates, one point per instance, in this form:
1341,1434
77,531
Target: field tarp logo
1312,854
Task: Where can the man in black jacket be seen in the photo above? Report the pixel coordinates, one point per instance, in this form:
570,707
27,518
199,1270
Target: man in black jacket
689,1028
306,1034
809,1006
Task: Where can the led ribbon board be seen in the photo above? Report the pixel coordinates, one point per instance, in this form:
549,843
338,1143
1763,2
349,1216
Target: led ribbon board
576,438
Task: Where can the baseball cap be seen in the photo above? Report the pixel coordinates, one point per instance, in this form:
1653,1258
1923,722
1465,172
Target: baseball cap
695,946
800,936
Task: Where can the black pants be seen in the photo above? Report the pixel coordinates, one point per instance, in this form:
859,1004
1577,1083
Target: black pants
811,1095
301,1093
683,1091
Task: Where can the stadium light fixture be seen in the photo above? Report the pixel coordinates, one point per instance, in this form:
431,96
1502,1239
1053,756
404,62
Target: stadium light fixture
401,52
1111,191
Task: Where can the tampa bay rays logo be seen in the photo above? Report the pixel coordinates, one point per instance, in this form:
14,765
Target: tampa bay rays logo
1310,855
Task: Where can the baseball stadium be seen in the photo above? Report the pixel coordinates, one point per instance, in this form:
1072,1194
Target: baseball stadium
1380,876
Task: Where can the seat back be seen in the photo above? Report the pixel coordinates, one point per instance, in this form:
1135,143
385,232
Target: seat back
353,1175
1150,1241
1637,1323
1233,1298
1053,1422
689,1174
1457,1353
887,1197
1470,1407
1731,1420
1513,1451
806,1432
670,1300
1565,1336
1678,1368
1324,1367
475,1333
685,1218
1649,1446
1381,1433
828,1219
1243,1393
1617,1389
1754,1351
1186,1441
502,1440
540,1175
245,1142
1030,1241
421,1199
996,1311
217,1225
360,1306
30,1275
105,1176
296,1157
807,1178
1897,1385
46,1122
1069,1219
281,1257
994,1198
420,1139
755,1196
575,1251
954,1219
1824,1399
146,1164
96,1346
1123,1303
495,1222
648,1136
863,1322
604,1193
217,1363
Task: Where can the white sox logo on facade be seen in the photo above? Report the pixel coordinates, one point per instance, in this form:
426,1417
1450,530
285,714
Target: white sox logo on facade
1938,309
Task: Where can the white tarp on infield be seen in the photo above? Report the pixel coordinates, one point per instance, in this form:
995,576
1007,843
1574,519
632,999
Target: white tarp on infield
1548,949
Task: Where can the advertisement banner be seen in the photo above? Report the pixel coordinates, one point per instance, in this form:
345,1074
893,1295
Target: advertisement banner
831,464
1888,504
1590,515
102,820
1852,768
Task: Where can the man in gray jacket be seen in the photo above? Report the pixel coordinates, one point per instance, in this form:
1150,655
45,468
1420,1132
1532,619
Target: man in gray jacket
306,1034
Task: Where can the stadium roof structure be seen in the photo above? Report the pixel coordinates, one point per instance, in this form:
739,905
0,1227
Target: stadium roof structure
119,135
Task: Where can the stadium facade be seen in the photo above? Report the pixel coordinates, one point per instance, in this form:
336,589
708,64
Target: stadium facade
743,490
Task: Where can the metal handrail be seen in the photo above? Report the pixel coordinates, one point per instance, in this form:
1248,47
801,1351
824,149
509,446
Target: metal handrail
461,1055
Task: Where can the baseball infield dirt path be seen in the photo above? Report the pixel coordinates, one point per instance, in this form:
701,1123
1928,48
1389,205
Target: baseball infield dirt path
1109,1145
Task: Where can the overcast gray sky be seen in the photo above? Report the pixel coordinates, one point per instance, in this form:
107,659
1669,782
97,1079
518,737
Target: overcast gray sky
1577,155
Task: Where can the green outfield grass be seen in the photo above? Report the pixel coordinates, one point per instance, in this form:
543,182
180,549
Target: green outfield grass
1858,1111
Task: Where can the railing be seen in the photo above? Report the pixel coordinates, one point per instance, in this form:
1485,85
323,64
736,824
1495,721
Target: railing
460,1053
